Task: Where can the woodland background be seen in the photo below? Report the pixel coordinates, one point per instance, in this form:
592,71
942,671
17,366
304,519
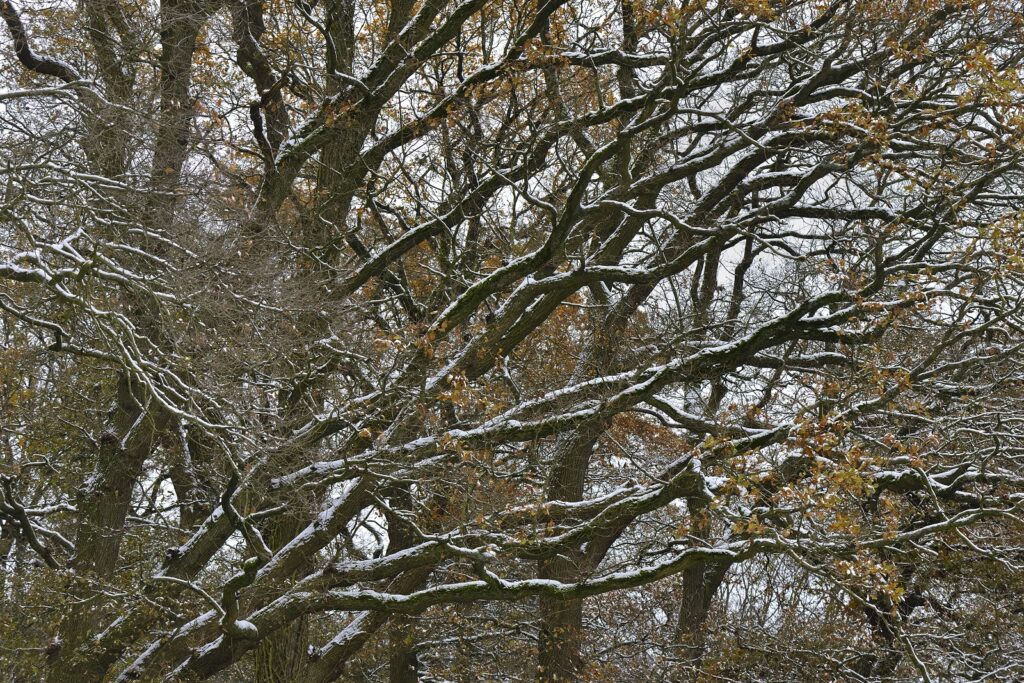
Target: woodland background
555,340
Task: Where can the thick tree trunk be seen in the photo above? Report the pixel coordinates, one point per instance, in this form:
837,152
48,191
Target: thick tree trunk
700,583
282,656
403,664
103,507
561,629
6,554
561,633
135,420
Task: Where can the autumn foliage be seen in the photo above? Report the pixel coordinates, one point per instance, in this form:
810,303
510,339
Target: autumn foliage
555,340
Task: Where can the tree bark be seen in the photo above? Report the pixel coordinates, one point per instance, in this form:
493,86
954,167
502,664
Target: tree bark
103,506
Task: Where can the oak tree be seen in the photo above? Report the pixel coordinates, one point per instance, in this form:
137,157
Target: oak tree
602,340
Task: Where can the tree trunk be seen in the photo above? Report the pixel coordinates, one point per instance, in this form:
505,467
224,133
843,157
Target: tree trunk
561,630
103,506
403,664
700,583
282,656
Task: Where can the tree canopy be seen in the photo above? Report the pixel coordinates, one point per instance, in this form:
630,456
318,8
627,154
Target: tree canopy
554,340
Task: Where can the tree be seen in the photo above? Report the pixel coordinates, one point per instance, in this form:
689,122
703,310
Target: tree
635,340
